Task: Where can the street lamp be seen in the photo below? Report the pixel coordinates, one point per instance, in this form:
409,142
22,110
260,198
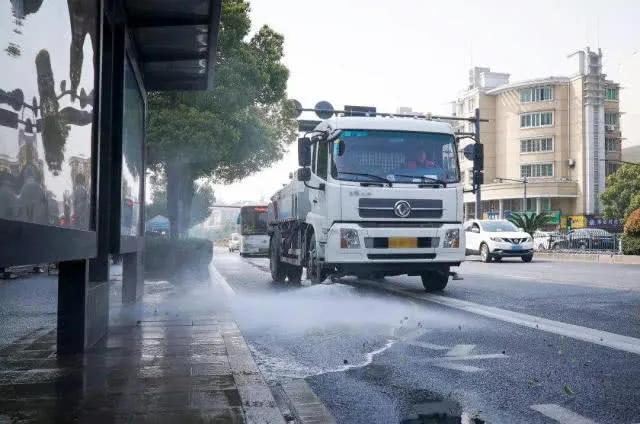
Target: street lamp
523,180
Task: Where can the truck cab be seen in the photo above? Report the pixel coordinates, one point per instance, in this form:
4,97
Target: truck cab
376,196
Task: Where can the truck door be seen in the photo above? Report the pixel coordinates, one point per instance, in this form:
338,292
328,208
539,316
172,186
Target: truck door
318,198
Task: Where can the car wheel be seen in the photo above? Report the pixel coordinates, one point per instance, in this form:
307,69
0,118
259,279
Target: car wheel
315,273
435,280
527,258
277,268
485,255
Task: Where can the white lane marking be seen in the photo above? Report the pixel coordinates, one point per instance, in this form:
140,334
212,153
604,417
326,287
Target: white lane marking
429,346
457,367
560,414
476,357
460,350
599,337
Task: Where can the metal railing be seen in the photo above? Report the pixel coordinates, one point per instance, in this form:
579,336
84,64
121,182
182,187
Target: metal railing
580,243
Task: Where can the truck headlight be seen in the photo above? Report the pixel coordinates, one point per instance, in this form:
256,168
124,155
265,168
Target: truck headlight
498,239
349,238
451,239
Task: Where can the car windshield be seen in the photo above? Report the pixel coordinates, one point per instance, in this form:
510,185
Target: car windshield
397,156
498,226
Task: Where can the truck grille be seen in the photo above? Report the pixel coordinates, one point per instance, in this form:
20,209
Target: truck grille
515,240
383,208
383,242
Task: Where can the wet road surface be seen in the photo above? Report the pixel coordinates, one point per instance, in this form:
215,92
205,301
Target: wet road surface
544,342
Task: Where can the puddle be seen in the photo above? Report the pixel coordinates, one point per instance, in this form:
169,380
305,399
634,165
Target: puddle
440,412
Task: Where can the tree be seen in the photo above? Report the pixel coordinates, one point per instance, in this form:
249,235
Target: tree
203,200
240,127
622,193
530,222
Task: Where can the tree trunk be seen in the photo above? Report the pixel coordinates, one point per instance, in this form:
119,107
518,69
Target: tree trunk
180,191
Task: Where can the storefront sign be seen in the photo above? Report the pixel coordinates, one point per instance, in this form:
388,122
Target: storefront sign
611,224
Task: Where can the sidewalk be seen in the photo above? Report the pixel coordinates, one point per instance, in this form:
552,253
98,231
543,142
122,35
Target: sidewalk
175,357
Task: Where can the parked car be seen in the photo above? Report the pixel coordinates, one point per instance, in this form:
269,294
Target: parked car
543,240
497,239
586,239
234,242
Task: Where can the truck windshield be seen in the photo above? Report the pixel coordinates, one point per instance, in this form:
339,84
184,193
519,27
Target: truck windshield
400,156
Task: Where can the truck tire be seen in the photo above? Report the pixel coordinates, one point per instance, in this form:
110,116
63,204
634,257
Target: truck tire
294,274
315,273
435,280
278,269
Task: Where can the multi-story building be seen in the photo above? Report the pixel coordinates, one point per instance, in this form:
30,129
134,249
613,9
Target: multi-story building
560,134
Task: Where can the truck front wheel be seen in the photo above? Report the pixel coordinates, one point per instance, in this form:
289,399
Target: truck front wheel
278,271
435,280
294,274
315,273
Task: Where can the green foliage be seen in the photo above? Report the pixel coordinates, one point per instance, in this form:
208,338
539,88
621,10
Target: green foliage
632,224
171,258
622,193
530,222
630,244
203,200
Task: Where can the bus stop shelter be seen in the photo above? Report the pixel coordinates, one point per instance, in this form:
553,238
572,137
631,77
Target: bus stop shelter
73,109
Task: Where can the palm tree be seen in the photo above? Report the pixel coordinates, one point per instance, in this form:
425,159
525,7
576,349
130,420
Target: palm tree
530,222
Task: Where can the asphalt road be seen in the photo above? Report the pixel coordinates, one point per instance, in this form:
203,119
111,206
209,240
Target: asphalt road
543,342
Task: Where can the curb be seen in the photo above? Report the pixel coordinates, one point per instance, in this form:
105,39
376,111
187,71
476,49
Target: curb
258,403
590,257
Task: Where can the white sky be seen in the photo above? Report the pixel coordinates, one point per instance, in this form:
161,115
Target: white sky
417,53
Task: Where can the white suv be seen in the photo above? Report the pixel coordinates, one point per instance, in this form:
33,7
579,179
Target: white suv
497,239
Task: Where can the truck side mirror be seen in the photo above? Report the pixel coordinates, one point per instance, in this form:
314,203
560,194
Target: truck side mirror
304,151
304,174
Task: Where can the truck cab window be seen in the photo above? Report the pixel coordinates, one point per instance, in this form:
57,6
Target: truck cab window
322,160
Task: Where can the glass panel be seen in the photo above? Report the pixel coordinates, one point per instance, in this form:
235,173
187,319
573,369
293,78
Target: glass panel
253,220
46,113
132,141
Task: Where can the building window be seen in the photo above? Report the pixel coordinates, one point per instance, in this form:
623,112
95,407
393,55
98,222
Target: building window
536,170
611,118
612,168
471,104
536,119
612,144
534,145
536,94
545,204
531,204
612,94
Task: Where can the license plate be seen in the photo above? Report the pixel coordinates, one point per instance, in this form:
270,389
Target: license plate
516,247
403,242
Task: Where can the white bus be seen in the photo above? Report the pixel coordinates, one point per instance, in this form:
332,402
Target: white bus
254,239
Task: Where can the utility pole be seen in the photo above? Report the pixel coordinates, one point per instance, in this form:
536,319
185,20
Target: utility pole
524,181
478,211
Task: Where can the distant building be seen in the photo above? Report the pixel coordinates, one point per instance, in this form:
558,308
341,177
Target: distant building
560,132
631,153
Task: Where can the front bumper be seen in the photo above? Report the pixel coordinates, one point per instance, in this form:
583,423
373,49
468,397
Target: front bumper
369,253
511,250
